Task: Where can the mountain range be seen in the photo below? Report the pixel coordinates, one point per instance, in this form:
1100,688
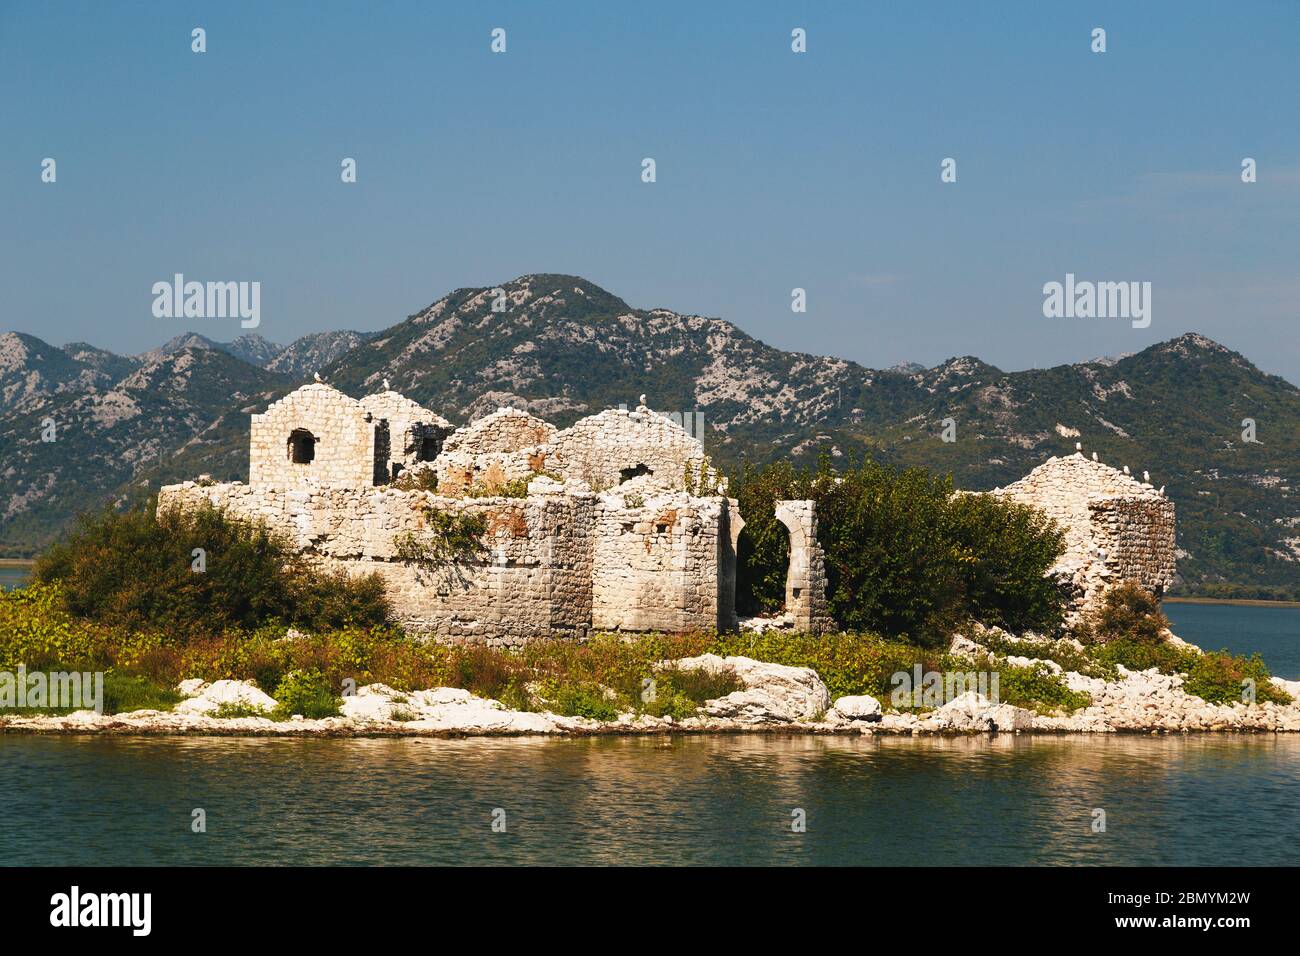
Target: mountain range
561,347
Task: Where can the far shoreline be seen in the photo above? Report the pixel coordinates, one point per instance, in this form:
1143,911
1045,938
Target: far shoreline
1242,602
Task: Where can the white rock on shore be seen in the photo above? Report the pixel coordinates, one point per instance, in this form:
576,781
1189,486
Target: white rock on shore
1142,701
972,711
205,698
773,693
859,707
451,709
775,697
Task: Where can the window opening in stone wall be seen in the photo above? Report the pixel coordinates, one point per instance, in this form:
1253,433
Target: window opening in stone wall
627,474
427,446
302,446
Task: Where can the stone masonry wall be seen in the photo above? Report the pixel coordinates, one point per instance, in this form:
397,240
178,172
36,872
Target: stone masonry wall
610,447
349,442
660,563
415,433
501,447
556,564
1137,537
1116,528
805,583
505,430
533,580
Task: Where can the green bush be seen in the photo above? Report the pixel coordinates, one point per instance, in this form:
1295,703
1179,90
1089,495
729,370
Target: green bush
137,569
849,663
1062,652
419,479
579,700
1004,551
37,629
1140,655
904,556
1127,612
230,709
306,693
1037,688
681,691
1218,676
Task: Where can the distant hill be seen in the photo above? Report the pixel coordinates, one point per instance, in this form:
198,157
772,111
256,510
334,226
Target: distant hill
564,348
311,353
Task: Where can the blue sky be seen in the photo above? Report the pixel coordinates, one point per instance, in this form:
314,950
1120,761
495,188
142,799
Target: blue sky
775,170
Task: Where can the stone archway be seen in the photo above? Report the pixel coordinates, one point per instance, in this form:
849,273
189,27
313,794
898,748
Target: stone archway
805,582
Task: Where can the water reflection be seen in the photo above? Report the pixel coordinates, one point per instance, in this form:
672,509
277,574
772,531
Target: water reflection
714,800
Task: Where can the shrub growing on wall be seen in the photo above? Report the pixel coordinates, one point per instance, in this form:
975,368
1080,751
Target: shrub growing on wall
1128,612
447,539
904,556
139,569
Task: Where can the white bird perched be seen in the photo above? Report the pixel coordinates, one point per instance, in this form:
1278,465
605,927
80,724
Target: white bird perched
386,388
316,376
1126,469
1162,489
1094,456
1146,476
641,400
1078,446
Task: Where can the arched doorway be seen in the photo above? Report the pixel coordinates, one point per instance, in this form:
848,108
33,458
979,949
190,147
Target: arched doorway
762,562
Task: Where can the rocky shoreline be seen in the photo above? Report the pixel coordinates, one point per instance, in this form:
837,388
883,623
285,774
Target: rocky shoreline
774,699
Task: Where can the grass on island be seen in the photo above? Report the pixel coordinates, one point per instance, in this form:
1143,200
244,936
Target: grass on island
599,678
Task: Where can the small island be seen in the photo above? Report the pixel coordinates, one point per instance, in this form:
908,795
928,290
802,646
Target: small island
385,573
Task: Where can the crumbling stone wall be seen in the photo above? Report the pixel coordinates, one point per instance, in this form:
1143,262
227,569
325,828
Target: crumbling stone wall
665,562
501,447
1116,528
349,443
617,445
557,563
532,580
1136,535
805,583
415,434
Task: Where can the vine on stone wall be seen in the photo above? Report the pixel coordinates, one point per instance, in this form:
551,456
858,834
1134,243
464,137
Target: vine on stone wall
447,539
705,481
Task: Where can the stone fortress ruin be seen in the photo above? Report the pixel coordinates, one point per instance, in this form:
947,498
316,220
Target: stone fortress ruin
1116,528
614,524
617,523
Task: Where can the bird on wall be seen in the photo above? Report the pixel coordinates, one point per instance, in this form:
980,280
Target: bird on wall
316,376
1146,476
1126,469
1094,456
1078,446
386,388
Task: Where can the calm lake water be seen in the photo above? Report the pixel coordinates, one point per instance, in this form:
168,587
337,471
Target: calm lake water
702,800
1273,631
12,576
692,800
